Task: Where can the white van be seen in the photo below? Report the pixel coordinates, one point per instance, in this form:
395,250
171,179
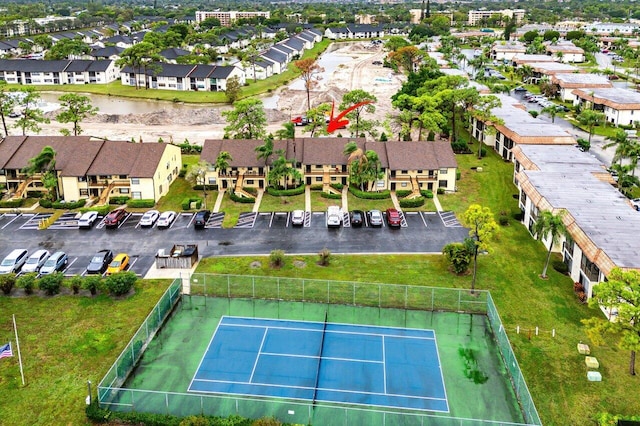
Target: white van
14,261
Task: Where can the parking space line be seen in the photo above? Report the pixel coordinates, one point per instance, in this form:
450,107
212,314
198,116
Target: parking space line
449,219
271,219
346,220
307,219
247,220
423,219
403,219
274,214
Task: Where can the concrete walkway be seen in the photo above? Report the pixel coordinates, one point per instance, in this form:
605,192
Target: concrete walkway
256,205
345,199
394,200
307,198
437,202
216,206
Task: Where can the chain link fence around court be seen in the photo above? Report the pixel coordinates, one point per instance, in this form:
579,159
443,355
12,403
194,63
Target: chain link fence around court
339,293
120,370
382,296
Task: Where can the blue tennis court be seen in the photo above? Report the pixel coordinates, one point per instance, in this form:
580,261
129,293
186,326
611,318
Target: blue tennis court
324,362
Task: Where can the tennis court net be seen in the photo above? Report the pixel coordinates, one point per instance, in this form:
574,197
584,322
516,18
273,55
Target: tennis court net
324,330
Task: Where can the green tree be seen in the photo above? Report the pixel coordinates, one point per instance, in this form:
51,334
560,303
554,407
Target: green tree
482,229
396,42
625,147
140,57
30,116
247,119
619,293
223,160
354,97
364,166
281,170
317,117
406,57
197,175
265,151
288,131
234,89
549,225
460,255
551,111
75,108
590,118
121,283
66,48
43,40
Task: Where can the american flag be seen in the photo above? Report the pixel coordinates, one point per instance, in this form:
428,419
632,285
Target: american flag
5,350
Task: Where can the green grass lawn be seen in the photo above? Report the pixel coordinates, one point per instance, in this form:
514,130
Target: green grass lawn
270,203
67,340
232,210
320,204
363,204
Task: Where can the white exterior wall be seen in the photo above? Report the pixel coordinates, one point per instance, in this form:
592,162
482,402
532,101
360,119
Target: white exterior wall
621,117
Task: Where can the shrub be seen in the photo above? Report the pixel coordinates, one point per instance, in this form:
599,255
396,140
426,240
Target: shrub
74,283
195,421
458,174
382,195
119,200
533,113
503,219
325,256
584,144
286,192
141,204
11,204
383,137
414,202
560,266
7,281
43,203
186,202
51,283
68,206
102,210
331,196
460,147
120,283
27,282
426,193
267,421
93,283
431,136
205,187
238,199
337,186
578,287
276,258
402,193
34,194
459,255
316,187
440,191
483,152
250,190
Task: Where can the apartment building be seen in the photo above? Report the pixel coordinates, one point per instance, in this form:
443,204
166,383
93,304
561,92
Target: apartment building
229,17
476,16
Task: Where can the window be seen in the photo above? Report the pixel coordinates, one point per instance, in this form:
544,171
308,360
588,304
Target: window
523,198
122,177
319,179
135,181
212,181
84,192
443,171
249,181
169,178
136,195
124,190
160,189
590,269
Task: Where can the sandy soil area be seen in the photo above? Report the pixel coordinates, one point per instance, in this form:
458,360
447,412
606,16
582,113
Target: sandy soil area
196,125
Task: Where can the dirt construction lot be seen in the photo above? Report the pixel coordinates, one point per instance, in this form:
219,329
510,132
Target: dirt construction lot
198,124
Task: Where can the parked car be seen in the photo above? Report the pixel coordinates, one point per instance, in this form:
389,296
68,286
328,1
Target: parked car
35,261
56,262
201,218
334,216
115,218
636,203
519,89
297,217
149,218
357,217
118,264
375,218
166,219
301,120
393,217
14,114
99,262
87,220
377,62
14,261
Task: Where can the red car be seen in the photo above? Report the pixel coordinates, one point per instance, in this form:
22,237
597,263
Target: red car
393,217
300,120
115,218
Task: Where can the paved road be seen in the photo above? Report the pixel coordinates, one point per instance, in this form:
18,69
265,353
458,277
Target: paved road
259,234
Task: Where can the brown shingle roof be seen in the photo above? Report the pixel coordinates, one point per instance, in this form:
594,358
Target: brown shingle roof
381,149
420,155
327,151
148,160
242,151
125,158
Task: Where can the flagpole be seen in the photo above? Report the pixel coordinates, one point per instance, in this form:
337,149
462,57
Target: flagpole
15,328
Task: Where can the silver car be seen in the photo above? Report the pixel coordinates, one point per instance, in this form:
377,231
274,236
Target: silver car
35,261
297,217
375,218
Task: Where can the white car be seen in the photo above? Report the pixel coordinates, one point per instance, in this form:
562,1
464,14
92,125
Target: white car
334,216
35,261
297,217
87,220
166,219
149,218
14,261
636,203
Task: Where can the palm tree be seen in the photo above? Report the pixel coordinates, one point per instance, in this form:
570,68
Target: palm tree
266,150
222,161
288,131
44,164
552,226
625,147
551,111
590,118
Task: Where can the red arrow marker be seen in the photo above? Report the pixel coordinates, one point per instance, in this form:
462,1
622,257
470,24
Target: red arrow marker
337,122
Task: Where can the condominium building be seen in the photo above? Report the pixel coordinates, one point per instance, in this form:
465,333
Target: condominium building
475,16
229,17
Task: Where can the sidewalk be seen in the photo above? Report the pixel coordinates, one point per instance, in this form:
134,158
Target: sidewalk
437,202
256,205
394,200
216,206
307,198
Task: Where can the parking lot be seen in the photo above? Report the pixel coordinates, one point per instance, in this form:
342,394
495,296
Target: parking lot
254,233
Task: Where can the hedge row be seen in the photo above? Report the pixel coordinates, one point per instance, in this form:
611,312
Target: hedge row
403,193
337,186
331,196
12,204
205,187
119,200
102,210
316,187
285,192
382,195
239,199
426,193
116,284
141,204
414,202
186,202
60,205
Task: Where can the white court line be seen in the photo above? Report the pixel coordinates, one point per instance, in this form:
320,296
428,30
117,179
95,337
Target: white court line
384,366
370,361
444,387
205,352
255,364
